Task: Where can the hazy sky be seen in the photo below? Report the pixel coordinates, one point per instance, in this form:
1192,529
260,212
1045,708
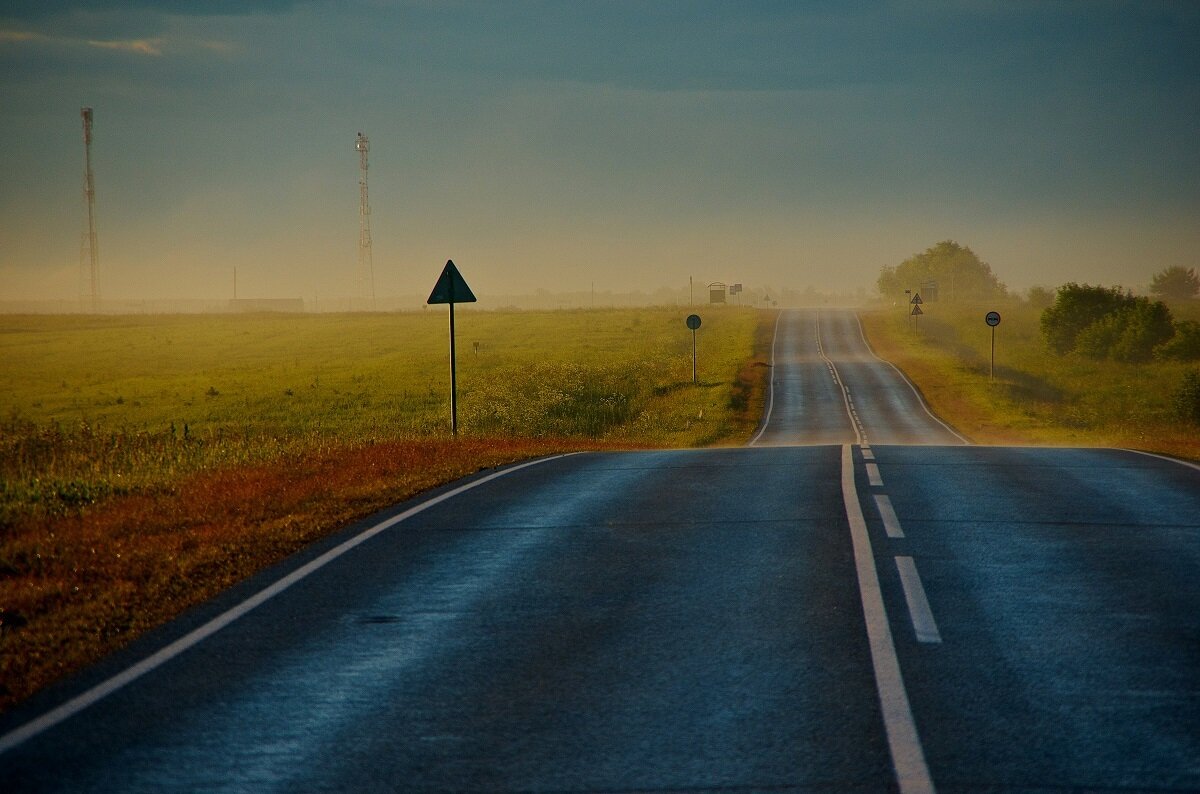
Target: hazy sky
630,144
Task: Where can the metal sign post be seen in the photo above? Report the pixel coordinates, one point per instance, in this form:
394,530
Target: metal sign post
693,322
916,308
992,319
451,288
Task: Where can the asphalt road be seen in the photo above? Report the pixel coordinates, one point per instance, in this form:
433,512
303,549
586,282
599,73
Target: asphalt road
856,602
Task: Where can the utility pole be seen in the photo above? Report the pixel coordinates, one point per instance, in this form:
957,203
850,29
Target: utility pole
91,252
366,267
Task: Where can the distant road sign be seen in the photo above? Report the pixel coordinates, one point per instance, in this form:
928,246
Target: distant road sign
917,311
693,322
916,299
451,287
992,319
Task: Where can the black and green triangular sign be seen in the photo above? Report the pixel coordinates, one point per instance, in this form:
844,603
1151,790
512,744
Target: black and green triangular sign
450,287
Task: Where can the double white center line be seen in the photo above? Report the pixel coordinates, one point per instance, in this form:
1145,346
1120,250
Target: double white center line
908,757
914,592
904,743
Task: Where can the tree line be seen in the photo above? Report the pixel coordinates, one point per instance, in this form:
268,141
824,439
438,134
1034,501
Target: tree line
1093,321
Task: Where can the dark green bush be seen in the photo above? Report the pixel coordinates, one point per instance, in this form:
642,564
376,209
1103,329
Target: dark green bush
1076,307
1101,322
1184,345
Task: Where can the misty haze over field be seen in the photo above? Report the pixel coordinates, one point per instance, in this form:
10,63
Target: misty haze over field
625,146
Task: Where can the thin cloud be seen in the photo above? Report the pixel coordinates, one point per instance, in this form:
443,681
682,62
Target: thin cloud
155,47
151,47
20,36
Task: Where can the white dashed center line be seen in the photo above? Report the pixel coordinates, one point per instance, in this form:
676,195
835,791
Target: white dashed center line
891,524
918,605
873,474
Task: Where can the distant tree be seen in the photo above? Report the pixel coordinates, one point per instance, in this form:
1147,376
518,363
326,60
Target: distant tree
1176,283
1077,306
888,283
958,271
1040,297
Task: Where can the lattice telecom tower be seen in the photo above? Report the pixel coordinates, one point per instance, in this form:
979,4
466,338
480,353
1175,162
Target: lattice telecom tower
366,268
89,253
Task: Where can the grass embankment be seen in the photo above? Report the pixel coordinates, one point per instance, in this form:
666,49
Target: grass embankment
149,462
1038,397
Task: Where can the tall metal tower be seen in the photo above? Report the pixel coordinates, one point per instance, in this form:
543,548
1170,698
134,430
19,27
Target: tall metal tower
90,252
366,267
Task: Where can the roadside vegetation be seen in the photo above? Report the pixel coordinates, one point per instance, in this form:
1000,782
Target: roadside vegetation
146,463
1080,365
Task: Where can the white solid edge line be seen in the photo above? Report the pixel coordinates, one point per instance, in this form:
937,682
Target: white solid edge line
924,626
854,424
1168,458
168,652
771,386
916,393
908,757
891,523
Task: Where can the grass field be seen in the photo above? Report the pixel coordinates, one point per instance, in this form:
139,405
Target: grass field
1037,397
148,462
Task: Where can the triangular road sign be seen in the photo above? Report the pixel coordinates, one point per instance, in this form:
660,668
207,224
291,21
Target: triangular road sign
916,299
450,287
917,310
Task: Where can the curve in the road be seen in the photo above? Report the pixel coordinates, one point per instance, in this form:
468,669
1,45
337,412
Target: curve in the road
827,386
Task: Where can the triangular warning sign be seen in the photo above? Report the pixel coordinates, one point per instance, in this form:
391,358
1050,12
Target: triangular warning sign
917,310
450,287
916,299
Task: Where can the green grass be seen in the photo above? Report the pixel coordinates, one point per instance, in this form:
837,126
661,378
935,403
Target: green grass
100,405
1037,396
344,374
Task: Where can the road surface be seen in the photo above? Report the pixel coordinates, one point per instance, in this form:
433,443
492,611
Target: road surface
856,602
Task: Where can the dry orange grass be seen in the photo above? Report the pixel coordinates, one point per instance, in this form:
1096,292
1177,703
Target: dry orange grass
98,578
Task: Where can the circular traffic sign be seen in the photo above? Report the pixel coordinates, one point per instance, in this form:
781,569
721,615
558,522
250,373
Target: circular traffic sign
992,319
693,321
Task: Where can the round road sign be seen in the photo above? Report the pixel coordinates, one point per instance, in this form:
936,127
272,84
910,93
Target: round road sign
693,321
992,319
